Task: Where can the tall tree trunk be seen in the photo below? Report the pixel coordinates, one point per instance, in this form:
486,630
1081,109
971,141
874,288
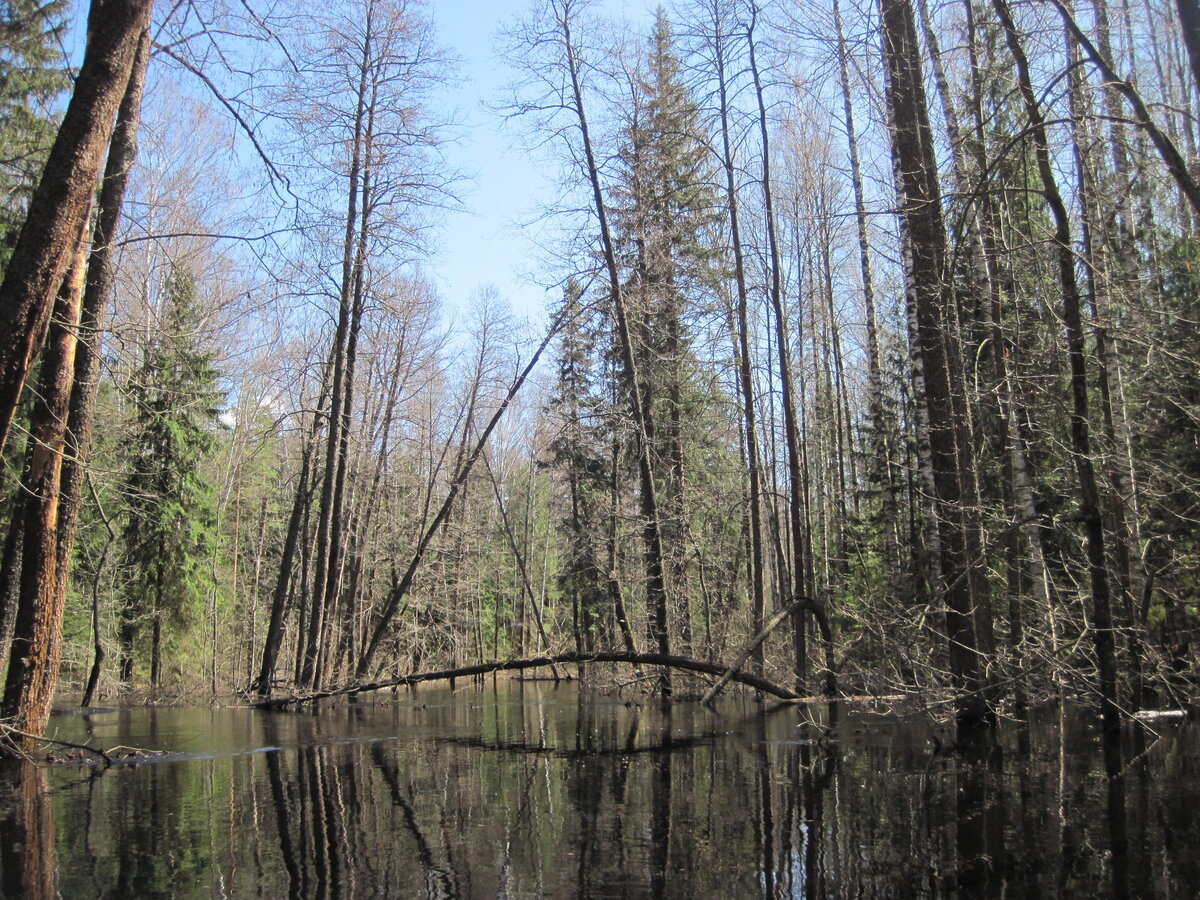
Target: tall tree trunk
982,316
881,453
924,240
295,532
656,589
1098,280
122,154
37,634
756,561
1189,21
1081,450
1031,574
60,204
252,628
797,560
325,575
361,526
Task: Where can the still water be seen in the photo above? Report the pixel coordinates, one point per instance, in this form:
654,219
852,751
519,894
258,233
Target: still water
534,790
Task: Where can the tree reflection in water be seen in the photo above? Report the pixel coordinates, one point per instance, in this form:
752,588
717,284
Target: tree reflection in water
526,790
27,845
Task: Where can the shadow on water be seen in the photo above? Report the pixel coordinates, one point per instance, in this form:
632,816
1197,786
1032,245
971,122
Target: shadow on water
530,790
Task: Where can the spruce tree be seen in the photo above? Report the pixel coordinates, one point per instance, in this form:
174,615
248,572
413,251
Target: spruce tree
171,512
32,76
577,452
666,205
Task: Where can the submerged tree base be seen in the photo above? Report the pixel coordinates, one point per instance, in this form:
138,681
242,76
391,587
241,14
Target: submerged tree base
637,659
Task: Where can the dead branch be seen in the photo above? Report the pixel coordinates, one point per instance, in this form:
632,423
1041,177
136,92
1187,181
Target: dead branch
10,746
732,671
615,656
400,590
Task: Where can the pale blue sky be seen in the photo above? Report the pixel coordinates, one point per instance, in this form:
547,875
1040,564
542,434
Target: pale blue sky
484,244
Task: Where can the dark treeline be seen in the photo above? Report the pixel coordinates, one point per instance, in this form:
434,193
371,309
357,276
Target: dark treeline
885,313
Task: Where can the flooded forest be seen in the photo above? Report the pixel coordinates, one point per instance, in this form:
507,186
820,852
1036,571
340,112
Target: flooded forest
853,359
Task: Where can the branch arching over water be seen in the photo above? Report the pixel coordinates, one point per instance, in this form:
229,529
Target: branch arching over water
511,665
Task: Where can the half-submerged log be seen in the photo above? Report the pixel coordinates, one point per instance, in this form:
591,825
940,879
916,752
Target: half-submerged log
617,656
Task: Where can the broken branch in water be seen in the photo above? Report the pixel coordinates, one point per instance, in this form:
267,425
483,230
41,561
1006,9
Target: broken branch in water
731,673
10,746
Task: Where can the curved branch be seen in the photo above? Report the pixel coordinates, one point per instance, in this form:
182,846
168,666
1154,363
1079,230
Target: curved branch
754,644
511,665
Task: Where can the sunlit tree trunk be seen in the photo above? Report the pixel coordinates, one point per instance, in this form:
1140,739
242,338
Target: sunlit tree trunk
326,575
37,633
60,204
100,276
1099,280
719,49
295,532
797,558
566,19
883,473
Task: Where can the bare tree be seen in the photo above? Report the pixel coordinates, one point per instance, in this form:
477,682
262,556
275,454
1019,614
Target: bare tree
928,287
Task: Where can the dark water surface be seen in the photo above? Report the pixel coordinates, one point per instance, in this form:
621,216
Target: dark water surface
530,790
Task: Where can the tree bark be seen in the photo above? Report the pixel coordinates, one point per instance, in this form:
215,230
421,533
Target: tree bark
1189,22
925,254
122,154
60,204
37,635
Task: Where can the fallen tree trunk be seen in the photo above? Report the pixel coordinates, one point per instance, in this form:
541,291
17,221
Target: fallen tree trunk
615,656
